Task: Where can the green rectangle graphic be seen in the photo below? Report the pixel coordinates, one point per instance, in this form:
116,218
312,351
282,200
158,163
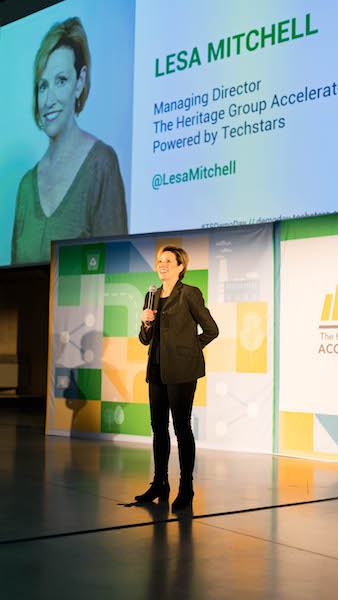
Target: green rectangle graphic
89,384
70,260
69,290
125,417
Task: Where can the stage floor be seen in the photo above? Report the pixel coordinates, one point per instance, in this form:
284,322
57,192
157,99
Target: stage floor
262,527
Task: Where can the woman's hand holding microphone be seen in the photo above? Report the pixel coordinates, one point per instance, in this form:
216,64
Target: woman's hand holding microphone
148,316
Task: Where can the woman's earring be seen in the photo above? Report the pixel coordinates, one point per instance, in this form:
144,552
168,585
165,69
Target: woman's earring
77,105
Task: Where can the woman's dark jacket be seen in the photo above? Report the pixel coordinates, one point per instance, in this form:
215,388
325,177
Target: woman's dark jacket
181,356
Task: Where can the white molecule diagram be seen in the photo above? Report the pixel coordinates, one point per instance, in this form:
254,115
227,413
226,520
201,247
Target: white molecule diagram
65,338
247,409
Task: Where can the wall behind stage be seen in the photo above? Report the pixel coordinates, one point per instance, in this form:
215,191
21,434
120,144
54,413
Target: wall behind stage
97,364
308,418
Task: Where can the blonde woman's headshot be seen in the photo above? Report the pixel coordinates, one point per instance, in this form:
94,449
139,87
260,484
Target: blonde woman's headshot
75,189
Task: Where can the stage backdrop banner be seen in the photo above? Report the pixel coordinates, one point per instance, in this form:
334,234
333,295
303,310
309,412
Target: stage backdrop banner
97,365
308,419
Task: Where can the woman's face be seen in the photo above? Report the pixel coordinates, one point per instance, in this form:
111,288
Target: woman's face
167,268
58,90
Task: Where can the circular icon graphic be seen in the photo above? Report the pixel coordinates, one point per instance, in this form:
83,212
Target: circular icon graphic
89,356
118,415
64,337
90,320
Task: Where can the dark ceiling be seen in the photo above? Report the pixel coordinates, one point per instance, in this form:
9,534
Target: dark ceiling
12,10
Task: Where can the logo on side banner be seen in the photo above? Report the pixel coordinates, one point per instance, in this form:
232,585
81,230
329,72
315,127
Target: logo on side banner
328,326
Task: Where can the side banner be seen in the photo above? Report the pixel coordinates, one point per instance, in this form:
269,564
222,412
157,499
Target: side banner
97,368
308,419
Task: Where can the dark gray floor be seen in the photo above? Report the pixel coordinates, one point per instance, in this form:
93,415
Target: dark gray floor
68,529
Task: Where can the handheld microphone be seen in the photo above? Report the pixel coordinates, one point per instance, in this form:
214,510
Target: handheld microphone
151,298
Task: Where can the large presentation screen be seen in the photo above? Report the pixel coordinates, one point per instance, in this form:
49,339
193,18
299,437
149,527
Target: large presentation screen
139,116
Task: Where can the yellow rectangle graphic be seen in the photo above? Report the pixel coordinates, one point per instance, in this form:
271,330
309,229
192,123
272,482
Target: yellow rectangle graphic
77,415
251,342
295,432
326,307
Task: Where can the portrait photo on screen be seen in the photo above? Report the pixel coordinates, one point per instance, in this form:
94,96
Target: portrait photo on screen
66,148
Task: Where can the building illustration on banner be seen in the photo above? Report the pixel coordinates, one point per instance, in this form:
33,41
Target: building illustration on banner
233,289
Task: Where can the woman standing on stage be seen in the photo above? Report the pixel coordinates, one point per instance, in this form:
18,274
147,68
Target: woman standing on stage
175,363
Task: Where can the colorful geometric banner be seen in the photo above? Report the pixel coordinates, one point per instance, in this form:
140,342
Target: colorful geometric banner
98,365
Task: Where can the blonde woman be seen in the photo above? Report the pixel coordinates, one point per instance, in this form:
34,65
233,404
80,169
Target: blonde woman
76,189
175,363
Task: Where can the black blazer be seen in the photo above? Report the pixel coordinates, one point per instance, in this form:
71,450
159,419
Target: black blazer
181,356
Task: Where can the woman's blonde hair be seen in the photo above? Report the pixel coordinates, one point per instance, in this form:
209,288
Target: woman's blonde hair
182,257
68,34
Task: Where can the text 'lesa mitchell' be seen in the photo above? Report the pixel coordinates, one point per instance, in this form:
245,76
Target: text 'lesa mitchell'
277,33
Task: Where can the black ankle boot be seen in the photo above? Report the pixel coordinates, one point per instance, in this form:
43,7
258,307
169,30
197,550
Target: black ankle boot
158,489
184,497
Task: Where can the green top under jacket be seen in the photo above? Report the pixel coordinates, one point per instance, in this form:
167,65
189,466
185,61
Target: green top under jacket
93,206
181,356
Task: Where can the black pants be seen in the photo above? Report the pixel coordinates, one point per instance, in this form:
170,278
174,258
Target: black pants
178,398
